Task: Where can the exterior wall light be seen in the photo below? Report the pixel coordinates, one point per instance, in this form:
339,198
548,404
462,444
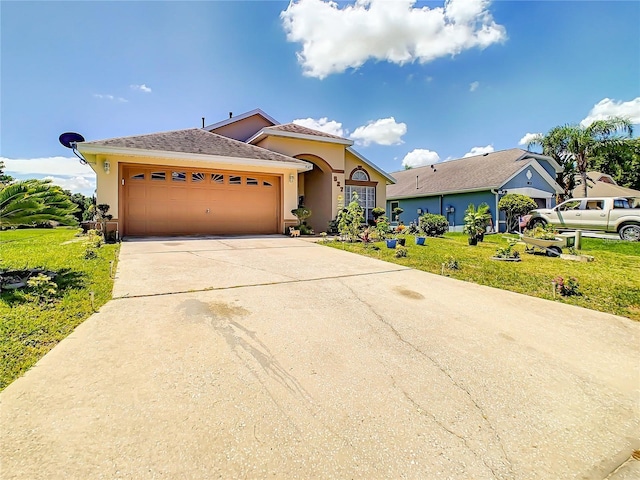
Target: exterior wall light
291,178
107,166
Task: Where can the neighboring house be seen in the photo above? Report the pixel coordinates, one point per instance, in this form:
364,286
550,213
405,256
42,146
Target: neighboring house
447,188
243,175
603,185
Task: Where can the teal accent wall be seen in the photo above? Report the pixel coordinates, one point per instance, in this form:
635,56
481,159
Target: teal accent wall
439,204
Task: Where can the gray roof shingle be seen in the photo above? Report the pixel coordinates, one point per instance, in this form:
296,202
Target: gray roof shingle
471,173
196,141
295,128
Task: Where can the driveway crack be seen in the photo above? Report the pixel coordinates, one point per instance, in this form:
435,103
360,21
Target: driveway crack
422,411
441,368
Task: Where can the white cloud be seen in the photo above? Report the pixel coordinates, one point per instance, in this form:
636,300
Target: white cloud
607,107
82,185
384,131
473,86
322,124
527,138
334,39
110,97
67,172
419,158
67,166
142,88
478,151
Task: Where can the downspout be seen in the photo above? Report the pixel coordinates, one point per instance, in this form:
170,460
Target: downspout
497,222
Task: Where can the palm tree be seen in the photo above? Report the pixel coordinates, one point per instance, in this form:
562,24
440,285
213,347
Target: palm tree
28,202
574,146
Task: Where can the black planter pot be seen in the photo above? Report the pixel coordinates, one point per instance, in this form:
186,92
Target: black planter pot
473,240
401,241
481,237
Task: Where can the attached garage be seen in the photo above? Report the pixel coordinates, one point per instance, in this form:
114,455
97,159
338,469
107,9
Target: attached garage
193,182
178,201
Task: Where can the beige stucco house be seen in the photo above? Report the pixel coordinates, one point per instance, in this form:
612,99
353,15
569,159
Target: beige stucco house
242,175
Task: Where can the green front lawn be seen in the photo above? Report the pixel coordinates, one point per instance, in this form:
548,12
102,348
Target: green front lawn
610,283
29,327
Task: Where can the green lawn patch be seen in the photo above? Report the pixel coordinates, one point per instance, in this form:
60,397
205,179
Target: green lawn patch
608,284
31,326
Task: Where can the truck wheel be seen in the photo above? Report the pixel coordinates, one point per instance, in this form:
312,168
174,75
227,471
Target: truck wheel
537,222
630,233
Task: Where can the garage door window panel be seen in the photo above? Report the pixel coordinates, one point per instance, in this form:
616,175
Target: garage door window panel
235,180
159,176
217,178
197,177
179,176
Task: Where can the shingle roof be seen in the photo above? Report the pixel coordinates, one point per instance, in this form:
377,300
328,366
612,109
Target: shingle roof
295,128
196,141
471,173
597,188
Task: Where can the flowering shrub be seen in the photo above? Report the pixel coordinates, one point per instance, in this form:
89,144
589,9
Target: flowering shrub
567,287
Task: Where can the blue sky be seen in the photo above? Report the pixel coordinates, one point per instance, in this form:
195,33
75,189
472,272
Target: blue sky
410,82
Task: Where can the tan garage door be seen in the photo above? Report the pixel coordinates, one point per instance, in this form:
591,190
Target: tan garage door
177,201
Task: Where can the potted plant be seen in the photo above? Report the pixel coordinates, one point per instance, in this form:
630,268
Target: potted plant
475,222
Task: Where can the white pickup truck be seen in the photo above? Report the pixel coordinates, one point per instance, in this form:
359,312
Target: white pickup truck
605,214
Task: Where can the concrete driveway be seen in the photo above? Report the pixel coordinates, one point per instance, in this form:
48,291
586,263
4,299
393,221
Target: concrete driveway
275,357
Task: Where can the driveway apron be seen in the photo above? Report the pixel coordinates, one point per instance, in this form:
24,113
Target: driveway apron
280,358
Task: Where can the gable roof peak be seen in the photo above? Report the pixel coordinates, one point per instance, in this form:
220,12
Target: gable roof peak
242,116
296,128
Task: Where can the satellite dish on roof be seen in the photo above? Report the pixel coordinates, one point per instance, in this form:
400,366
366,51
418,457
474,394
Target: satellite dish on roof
70,140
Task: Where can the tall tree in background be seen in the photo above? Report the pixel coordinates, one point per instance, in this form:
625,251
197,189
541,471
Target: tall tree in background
84,212
554,145
4,178
579,146
623,165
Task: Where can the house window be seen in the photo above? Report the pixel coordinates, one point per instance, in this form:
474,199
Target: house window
360,175
393,206
366,198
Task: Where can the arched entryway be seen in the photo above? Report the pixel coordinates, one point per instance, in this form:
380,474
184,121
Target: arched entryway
314,190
